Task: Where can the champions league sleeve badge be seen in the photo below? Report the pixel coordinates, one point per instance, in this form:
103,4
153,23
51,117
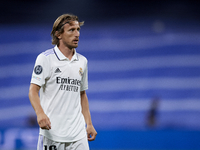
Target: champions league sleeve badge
38,69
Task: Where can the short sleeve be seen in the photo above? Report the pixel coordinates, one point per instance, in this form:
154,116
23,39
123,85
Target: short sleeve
84,82
41,70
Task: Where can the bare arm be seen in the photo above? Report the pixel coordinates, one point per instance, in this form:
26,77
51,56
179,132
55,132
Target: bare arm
42,118
91,132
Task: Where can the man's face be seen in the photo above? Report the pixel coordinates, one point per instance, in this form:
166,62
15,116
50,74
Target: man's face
70,36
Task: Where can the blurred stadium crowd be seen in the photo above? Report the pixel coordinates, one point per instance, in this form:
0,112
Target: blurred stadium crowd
144,66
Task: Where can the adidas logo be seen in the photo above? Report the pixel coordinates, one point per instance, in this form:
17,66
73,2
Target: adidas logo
57,70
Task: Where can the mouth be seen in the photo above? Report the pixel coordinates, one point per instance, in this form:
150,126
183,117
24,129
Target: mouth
75,41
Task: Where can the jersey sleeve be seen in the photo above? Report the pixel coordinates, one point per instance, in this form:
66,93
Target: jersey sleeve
84,82
41,70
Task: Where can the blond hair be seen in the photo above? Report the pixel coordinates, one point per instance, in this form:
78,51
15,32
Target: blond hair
58,26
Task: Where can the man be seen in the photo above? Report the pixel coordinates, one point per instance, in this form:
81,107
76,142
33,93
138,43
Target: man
60,75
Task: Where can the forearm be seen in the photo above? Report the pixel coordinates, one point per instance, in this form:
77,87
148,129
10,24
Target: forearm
91,132
34,99
42,118
85,108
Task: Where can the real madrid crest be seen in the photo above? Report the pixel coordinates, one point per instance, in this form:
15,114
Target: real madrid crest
81,72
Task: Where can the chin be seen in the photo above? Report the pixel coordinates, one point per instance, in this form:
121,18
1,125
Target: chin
75,46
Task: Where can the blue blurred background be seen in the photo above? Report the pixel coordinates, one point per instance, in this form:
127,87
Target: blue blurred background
144,70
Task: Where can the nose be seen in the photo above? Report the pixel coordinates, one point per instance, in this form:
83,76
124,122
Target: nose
77,33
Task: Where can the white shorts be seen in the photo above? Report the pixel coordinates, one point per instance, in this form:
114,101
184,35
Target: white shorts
47,144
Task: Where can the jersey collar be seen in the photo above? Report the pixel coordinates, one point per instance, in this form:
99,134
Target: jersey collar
62,57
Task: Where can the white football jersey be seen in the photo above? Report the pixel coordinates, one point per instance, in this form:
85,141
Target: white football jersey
61,81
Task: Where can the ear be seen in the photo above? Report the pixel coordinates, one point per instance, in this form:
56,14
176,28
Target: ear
58,35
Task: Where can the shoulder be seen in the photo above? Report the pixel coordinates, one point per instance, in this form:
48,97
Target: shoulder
81,57
46,54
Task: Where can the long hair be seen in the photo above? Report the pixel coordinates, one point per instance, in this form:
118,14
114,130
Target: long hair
58,26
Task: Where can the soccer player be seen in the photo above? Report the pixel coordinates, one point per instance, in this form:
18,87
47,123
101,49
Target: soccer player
58,91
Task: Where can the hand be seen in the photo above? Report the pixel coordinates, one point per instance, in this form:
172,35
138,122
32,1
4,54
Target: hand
91,133
43,121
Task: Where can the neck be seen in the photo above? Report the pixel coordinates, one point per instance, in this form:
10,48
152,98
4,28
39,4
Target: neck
67,52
